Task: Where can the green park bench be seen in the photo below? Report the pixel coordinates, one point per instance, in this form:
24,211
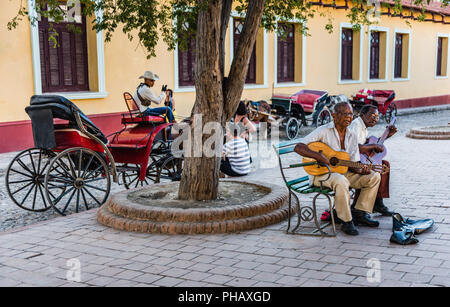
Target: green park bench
301,186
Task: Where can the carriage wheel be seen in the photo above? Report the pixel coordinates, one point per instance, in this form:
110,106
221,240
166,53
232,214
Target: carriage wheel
79,175
171,169
131,177
292,128
323,118
25,179
390,111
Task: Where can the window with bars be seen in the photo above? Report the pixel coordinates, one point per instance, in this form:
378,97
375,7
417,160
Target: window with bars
64,65
286,53
347,54
375,55
186,62
238,25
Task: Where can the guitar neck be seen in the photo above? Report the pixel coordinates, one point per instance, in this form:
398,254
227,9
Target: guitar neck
386,132
353,164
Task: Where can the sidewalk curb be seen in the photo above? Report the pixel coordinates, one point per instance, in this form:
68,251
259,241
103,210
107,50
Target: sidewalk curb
408,111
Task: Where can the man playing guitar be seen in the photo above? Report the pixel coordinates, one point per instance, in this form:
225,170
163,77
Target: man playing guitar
368,117
339,138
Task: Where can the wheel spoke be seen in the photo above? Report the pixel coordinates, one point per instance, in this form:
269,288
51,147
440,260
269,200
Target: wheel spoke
20,181
24,166
95,188
26,175
34,197
87,166
78,201
92,196
32,162
80,162
68,202
27,185
26,196
42,195
84,199
63,194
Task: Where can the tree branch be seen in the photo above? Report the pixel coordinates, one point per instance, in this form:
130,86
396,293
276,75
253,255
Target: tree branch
224,20
234,84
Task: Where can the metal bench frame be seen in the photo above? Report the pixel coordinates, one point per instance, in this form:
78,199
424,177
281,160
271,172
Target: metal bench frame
301,186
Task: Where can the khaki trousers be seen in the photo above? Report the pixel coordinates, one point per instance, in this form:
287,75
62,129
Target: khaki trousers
341,184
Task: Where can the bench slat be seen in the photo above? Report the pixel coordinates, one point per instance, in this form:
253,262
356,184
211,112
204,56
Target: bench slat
298,180
302,164
286,150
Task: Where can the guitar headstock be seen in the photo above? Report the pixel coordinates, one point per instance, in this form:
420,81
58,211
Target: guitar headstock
382,169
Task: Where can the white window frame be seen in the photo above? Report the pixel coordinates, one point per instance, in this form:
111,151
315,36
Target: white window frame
277,84
36,59
401,31
177,87
378,29
235,14
448,55
346,25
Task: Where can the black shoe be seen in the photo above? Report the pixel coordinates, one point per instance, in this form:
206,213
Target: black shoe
349,228
381,208
363,218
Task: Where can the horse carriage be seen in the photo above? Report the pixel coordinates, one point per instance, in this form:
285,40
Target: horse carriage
291,112
314,107
72,162
382,99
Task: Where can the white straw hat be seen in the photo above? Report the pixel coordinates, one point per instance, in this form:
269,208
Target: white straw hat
149,75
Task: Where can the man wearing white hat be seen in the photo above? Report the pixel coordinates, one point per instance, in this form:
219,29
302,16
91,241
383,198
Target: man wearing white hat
144,96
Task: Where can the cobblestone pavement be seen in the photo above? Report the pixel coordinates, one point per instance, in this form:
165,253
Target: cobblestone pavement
48,253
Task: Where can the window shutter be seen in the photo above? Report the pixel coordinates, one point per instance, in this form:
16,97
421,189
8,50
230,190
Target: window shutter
374,55
64,67
347,54
439,58
398,56
186,62
238,24
286,54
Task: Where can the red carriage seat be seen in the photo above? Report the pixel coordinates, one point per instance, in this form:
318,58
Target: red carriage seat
135,116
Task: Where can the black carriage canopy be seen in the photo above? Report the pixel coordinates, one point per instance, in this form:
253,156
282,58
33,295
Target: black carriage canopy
44,108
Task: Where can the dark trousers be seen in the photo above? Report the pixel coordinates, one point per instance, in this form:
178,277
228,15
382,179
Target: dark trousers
225,167
160,111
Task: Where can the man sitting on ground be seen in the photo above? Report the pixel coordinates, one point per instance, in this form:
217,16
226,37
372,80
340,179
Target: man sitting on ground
236,155
337,135
368,117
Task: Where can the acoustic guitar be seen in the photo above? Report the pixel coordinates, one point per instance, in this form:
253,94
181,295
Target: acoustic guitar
377,157
339,161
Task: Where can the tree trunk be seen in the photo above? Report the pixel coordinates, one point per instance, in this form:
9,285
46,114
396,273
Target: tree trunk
200,176
216,100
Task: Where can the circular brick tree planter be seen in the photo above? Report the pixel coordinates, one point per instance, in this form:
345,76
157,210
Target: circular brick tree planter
430,133
146,210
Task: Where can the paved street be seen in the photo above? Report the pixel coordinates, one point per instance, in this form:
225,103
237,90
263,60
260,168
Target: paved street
77,251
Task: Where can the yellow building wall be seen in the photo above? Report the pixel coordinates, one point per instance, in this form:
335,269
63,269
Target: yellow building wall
125,61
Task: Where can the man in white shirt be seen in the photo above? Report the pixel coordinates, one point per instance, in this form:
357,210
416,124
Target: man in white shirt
144,96
337,135
368,118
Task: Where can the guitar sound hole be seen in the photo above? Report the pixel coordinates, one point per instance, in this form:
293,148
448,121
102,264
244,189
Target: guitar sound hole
334,161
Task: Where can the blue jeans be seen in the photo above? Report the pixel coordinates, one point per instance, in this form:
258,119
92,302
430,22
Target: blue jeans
160,111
